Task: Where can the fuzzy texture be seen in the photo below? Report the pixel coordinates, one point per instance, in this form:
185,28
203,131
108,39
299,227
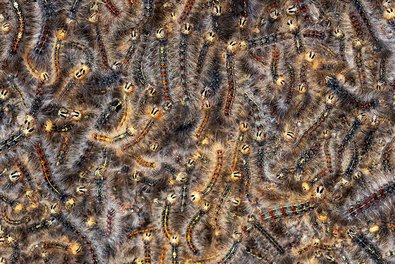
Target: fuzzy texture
197,131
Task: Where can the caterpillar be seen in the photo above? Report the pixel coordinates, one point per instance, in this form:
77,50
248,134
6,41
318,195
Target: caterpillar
209,39
154,115
266,40
102,47
216,12
89,58
142,162
16,251
71,227
148,229
73,248
386,156
359,63
103,138
41,75
369,248
114,10
162,256
291,83
356,24
266,234
233,249
389,15
112,108
43,39
49,126
147,247
183,51
352,165
287,211
69,201
220,203
230,67
186,11
138,72
382,72
44,224
127,89
7,200
327,153
307,156
174,249
100,174
349,135
61,35
21,26
369,201
182,177
274,63
311,33
15,139
245,149
377,44
338,33
149,8
132,48
367,142
72,14
192,224
25,173
165,215
8,220
164,79
123,135
330,100
110,217
206,108
344,95
294,29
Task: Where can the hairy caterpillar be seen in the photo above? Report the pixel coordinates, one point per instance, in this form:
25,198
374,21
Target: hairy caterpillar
209,39
266,40
114,10
371,249
165,215
183,51
233,249
192,224
287,211
266,234
42,42
154,115
8,220
69,201
164,79
372,199
21,26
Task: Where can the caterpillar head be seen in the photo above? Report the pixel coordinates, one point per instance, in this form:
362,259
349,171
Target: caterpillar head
210,37
160,33
171,198
6,27
186,29
61,34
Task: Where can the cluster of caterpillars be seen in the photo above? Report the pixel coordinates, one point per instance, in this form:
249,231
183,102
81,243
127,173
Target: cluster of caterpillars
197,131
